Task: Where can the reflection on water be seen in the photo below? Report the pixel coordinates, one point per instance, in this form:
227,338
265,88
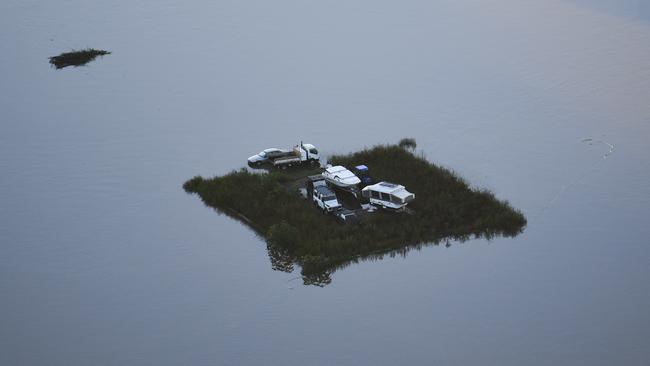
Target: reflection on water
282,260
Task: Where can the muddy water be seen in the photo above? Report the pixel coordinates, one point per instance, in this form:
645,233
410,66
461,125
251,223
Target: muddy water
105,260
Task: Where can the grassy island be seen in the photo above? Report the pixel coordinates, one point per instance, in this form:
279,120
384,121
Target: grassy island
445,208
76,58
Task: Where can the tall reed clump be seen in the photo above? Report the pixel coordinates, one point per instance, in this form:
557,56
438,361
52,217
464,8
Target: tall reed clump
445,208
407,143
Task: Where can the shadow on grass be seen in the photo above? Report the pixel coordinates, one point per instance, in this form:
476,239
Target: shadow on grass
446,209
76,58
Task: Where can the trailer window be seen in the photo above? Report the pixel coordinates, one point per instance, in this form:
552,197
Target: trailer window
385,196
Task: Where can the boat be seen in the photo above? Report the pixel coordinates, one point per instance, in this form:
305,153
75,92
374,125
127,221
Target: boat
341,177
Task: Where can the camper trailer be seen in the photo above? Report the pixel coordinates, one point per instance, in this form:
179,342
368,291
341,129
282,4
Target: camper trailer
388,195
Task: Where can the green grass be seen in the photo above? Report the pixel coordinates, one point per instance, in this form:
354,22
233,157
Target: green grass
76,58
445,208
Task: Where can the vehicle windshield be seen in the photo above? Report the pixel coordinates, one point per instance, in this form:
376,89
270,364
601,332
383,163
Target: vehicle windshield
329,198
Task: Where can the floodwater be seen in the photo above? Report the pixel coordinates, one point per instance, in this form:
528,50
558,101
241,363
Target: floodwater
104,260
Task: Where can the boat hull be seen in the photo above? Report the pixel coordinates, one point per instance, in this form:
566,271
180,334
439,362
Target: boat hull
341,177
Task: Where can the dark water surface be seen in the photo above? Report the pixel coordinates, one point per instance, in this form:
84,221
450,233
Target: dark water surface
104,260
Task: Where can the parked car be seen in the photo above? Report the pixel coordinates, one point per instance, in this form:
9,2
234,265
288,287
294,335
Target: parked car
266,154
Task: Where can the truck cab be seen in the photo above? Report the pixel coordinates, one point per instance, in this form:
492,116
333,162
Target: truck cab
308,152
325,199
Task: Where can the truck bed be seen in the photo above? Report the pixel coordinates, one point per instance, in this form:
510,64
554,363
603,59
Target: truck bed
286,160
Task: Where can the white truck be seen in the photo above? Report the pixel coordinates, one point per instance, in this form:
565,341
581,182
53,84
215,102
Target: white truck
321,195
300,154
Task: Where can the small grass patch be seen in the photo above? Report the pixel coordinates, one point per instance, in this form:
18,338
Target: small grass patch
445,208
76,58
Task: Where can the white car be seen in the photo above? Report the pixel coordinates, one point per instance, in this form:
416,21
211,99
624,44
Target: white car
264,155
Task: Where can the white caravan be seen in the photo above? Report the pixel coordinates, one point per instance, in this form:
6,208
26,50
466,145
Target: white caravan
388,195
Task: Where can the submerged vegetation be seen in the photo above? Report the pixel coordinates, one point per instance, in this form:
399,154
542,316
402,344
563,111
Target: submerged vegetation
445,208
76,58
